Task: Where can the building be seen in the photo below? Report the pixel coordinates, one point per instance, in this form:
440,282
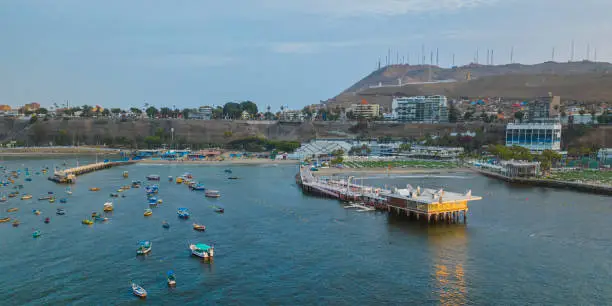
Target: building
421,109
203,113
365,110
605,156
292,115
5,108
245,115
535,136
544,108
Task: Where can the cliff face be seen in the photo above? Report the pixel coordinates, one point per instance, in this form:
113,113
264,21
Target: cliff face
217,132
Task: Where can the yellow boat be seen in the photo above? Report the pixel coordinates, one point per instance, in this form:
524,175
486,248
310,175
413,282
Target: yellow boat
36,212
87,221
26,197
7,219
125,174
148,212
119,190
94,189
12,209
126,187
108,206
160,201
179,180
52,200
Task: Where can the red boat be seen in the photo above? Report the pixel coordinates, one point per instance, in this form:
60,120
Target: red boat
47,220
199,227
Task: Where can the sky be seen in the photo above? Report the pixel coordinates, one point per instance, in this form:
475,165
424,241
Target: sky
188,53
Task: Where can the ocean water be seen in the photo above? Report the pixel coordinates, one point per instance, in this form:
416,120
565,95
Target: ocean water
277,246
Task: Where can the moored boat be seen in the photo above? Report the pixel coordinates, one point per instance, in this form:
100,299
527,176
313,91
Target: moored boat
219,210
165,224
36,212
125,174
26,197
179,180
144,247
36,234
212,193
5,219
153,177
114,195
60,212
108,206
47,220
136,184
202,250
87,221
171,279
63,200
228,170
232,178
68,190
199,227
183,213
16,223
197,186
94,189
12,209
52,200
139,291
169,179
148,212
100,219
44,197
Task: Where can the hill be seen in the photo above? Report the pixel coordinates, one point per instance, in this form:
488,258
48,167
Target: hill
585,80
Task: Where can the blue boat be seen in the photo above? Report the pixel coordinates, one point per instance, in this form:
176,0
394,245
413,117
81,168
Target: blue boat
165,225
183,213
28,179
197,187
63,201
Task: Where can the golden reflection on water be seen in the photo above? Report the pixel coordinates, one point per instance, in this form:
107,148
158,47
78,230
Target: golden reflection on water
449,254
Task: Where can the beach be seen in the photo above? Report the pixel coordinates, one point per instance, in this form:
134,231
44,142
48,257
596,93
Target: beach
253,161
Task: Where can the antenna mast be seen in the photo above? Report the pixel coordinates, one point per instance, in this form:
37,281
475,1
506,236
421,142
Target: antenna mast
572,54
512,55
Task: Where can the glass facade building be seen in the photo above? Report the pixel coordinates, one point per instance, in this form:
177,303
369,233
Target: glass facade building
420,109
534,136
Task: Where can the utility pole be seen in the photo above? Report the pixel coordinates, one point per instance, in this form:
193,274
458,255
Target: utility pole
437,57
572,53
553,54
492,62
453,59
512,55
423,54
487,56
588,52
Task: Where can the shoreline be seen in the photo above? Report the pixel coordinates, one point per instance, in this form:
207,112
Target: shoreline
345,171
220,163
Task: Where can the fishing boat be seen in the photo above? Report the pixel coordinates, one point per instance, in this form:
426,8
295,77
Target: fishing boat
197,186
144,247
187,175
202,250
228,170
125,174
232,178
12,195
87,221
5,219
63,200
159,201
44,197
179,180
165,224
148,212
94,214
47,220
153,177
114,195
68,190
126,187
212,194
28,179
199,227
26,197
219,210
16,223
3,199
183,213
171,279
52,200
94,189
169,179
12,209
36,234
36,212
60,212
100,218
139,291
108,206
136,184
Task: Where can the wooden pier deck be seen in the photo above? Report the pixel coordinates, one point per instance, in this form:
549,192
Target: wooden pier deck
68,176
421,204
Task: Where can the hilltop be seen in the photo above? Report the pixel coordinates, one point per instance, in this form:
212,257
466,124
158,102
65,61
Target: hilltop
590,81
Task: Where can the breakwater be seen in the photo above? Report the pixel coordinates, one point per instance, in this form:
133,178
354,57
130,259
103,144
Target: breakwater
583,187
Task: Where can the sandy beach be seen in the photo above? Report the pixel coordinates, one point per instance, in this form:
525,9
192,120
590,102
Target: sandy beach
254,161
56,151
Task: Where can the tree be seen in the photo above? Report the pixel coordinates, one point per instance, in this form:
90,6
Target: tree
519,115
404,147
185,112
593,116
106,112
42,111
232,109
165,112
135,110
217,112
249,106
152,112
581,111
153,141
115,111
307,112
268,116
337,153
86,111
468,115
453,113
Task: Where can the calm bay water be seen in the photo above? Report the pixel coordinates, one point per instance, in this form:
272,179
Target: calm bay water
275,245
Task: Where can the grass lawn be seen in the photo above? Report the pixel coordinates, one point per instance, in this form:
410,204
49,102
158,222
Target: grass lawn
600,177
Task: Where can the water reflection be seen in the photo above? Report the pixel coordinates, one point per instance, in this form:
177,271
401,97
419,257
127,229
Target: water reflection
448,249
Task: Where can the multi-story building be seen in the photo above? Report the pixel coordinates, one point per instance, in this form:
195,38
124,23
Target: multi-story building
535,136
365,110
292,115
544,108
422,109
203,113
5,108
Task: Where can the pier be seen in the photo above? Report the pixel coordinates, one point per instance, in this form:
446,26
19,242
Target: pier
421,204
68,176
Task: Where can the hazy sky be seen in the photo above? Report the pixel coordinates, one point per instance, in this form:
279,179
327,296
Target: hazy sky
274,52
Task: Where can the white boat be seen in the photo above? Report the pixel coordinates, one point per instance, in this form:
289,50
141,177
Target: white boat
144,247
202,250
139,291
108,206
212,193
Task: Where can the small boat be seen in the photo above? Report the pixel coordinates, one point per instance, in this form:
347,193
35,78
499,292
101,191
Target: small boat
44,197
100,219
169,179
153,177
94,214
87,222
144,247
36,212
68,190
123,195
139,291
171,279
228,170
159,201
108,206
16,223
5,219
60,212
232,178
63,200
187,175
165,224
199,227
202,250
12,209
219,210
3,199
12,195
197,187
47,220
136,184
179,180
52,200
183,213
94,189
26,197
28,179
114,195
36,234
212,193
148,212
125,174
